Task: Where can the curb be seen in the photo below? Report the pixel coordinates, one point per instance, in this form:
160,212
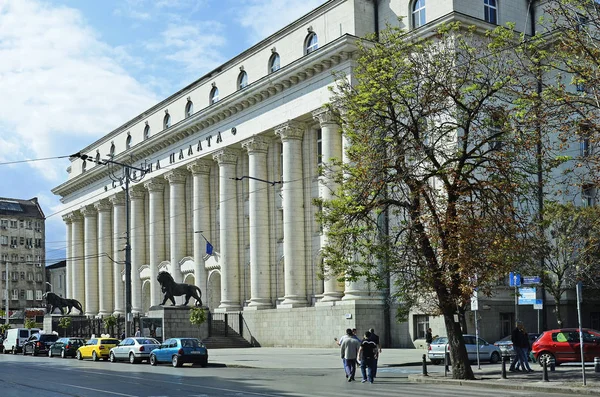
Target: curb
547,387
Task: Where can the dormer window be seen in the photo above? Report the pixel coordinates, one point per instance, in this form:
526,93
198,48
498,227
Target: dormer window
167,121
311,43
146,132
242,80
128,142
418,13
214,95
274,63
189,108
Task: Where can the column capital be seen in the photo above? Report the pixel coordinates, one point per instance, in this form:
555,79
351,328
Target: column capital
155,185
177,176
117,199
89,211
200,167
103,206
75,216
226,156
67,219
290,130
137,193
325,116
256,144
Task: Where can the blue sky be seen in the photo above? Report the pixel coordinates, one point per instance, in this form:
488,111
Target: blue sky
73,70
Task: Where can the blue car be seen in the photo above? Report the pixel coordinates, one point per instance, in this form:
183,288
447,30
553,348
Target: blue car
178,351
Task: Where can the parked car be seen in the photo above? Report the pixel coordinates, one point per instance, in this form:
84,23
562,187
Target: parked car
563,345
487,351
66,347
506,346
178,351
39,344
96,348
16,337
133,349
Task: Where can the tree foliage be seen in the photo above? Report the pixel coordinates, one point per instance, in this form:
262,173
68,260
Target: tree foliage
64,323
431,147
30,323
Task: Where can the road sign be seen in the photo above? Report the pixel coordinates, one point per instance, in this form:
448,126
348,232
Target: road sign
531,280
538,305
514,279
527,296
474,302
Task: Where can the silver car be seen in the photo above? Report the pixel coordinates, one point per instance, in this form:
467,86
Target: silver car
133,349
487,352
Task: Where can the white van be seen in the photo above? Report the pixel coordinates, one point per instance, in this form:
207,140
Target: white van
15,337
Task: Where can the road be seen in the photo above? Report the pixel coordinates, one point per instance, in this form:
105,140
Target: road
44,377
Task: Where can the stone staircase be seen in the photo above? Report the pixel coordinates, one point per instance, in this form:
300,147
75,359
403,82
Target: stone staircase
225,337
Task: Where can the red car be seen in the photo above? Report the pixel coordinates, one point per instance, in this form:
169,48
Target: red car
564,347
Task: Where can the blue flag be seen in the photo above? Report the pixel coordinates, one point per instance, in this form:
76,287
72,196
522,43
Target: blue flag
209,248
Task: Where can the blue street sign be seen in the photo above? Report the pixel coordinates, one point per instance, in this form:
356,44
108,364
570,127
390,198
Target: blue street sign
514,280
527,296
531,280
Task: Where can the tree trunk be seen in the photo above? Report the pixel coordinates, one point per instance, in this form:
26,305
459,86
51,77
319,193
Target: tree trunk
557,311
461,366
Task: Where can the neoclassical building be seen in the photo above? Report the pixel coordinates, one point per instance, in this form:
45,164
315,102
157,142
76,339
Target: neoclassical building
234,159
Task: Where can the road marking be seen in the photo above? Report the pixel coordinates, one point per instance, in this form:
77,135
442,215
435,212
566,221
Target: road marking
101,391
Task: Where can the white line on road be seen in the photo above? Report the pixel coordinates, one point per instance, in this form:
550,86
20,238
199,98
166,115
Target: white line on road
101,391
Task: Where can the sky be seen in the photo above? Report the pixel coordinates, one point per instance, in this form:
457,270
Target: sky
71,71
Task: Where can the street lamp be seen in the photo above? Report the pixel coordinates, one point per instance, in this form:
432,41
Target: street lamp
129,174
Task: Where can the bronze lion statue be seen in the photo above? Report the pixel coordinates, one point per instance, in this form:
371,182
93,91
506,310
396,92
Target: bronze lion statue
171,289
56,301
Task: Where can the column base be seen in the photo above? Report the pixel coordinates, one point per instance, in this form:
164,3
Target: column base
332,296
118,312
225,307
293,301
260,303
104,313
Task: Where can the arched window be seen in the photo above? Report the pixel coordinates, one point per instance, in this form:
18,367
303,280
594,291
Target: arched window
112,150
146,132
274,63
128,142
490,11
242,80
214,95
83,166
311,43
167,121
189,108
418,13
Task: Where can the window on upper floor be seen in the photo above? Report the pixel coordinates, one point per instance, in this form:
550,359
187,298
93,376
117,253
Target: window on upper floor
418,13
189,108
146,132
490,11
38,294
588,195
128,142
167,121
214,95
242,80
496,129
274,63
311,43
112,150
585,147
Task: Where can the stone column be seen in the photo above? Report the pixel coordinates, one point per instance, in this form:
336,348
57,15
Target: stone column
228,232
77,263
200,170
177,221
331,141
260,267
90,249
69,270
293,214
137,238
105,265
119,234
156,235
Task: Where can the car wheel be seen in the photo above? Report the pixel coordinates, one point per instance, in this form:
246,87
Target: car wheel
94,356
112,358
24,351
204,363
132,359
79,356
34,352
50,353
494,358
63,354
436,362
153,360
545,357
176,361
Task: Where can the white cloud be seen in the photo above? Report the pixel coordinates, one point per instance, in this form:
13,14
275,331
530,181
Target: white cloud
61,85
265,17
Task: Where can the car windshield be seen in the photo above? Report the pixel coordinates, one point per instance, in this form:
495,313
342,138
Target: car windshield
109,342
440,341
49,338
190,343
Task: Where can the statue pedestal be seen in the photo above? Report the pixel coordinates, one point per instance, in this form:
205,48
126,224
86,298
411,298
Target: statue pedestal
176,322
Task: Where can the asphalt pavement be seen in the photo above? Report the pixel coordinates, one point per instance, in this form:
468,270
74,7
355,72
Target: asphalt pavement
566,378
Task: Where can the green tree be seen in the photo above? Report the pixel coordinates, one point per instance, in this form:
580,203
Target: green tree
64,323
4,328
197,316
109,323
430,146
30,323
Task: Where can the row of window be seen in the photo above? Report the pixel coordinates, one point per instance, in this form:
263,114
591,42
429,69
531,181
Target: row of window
26,241
25,294
311,43
14,224
29,276
418,12
27,259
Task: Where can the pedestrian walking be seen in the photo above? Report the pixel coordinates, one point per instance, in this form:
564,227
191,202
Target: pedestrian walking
520,341
367,354
375,338
138,332
428,337
349,350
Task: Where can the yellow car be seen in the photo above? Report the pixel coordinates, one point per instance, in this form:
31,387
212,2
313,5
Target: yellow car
96,348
